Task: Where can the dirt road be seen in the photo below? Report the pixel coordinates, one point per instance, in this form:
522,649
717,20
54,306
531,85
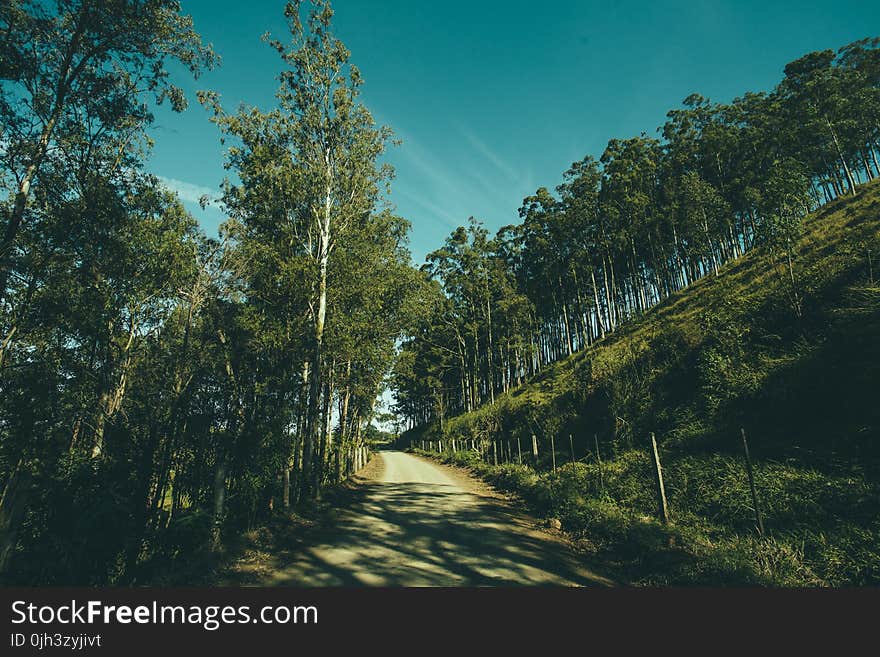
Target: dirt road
414,522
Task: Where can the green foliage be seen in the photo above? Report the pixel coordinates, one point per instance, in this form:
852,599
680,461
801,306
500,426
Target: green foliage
161,391
630,230
728,353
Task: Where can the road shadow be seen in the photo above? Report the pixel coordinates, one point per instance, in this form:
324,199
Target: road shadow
413,534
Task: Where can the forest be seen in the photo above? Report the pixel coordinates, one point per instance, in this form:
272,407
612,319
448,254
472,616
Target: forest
159,386
646,219
162,390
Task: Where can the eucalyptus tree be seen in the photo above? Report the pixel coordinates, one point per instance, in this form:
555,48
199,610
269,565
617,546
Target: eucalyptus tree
76,77
309,175
860,62
629,196
815,96
75,74
370,312
783,204
109,281
546,254
430,374
515,307
588,234
91,248
461,267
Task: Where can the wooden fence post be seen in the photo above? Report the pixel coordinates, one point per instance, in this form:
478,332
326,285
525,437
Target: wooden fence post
535,450
751,474
553,451
571,445
661,490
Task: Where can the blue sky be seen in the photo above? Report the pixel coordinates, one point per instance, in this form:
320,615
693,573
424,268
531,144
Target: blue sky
494,99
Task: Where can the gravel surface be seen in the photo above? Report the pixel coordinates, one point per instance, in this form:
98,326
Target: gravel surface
409,521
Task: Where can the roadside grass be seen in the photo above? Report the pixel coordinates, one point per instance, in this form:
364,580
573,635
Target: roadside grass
714,541
726,353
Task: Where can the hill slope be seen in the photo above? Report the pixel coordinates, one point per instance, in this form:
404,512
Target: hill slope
729,352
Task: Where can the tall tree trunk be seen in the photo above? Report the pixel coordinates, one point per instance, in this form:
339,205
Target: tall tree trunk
867,164
709,245
582,310
489,345
596,300
565,323
795,290
311,436
850,181
874,159
326,437
219,498
13,505
298,440
341,440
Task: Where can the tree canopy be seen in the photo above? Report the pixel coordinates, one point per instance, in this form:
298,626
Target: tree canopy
623,232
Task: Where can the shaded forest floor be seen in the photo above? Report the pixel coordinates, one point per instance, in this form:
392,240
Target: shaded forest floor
248,557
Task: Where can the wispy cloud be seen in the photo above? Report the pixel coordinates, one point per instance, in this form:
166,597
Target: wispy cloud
427,164
442,191
438,213
443,187
509,171
187,191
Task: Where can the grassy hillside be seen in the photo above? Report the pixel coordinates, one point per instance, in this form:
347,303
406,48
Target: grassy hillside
729,352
